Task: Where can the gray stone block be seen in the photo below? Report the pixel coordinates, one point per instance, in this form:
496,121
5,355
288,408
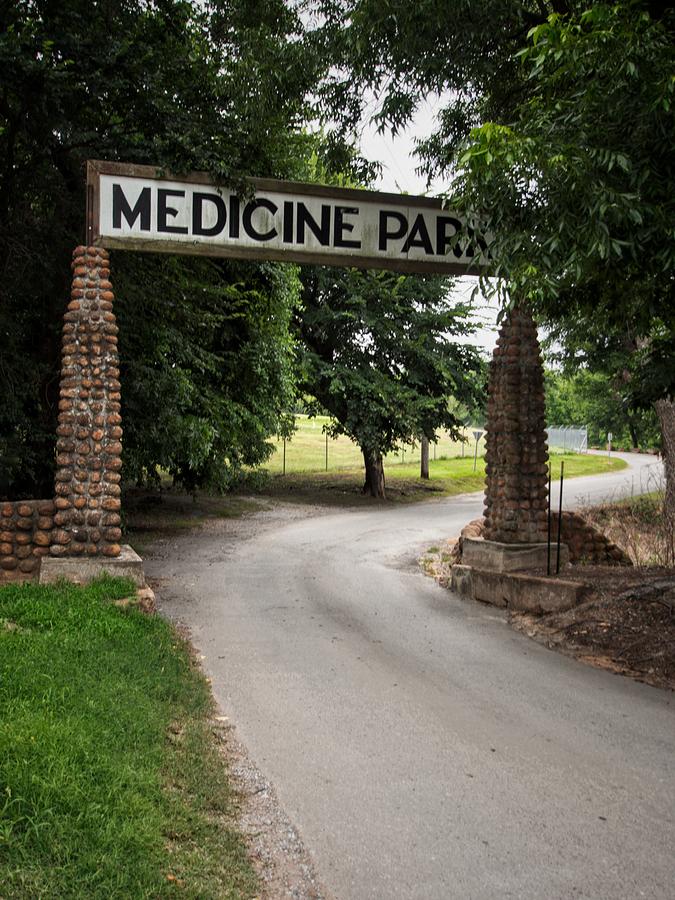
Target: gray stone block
495,556
82,570
461,581
516,590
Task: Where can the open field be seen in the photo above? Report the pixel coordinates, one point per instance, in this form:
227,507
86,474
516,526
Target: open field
112,783
403,484
306,450
306,476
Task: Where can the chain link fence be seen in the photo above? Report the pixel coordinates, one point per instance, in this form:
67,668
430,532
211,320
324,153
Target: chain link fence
568,438
310,450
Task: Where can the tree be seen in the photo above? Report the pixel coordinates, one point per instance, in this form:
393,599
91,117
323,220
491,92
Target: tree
556,127
591,398
391,56
378,353
180,85
582,205
207,367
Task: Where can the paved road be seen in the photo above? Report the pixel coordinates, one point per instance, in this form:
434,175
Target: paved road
423,748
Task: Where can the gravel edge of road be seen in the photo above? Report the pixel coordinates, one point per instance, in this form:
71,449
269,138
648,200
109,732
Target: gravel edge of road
274,845
276,848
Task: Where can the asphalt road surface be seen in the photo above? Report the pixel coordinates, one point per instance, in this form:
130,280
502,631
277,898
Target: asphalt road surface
422,748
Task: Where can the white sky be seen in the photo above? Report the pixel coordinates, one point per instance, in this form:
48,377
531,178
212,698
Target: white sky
396,156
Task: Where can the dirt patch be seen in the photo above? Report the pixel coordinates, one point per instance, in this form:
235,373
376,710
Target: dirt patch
344,489
636,524
627,625
152,514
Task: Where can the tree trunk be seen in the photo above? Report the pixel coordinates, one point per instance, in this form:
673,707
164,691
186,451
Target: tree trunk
665,410
374,483
424,464
633,434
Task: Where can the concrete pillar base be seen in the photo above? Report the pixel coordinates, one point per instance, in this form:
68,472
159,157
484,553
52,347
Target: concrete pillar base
495,556
516,590
83,569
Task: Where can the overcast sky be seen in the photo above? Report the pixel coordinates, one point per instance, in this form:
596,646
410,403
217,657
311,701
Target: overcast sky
396,156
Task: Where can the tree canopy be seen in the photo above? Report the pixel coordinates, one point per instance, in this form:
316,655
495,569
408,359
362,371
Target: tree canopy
181,85
593,399
556,128
555,125
379,352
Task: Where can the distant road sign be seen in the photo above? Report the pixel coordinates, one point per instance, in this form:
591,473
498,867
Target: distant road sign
478,435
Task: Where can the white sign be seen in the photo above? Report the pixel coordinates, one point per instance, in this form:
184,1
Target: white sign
131,207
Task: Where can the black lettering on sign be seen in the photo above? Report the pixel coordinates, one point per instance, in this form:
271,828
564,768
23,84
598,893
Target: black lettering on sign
385,234
482,243
445,240
163,211
234,217
288,221
476,239
419,236
198,201
321,232
340,226
247,219
121,208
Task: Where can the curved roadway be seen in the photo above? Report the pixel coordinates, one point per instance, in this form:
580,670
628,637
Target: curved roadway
423,748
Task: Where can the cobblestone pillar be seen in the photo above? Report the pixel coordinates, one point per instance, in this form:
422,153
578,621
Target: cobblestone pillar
87,493
516,492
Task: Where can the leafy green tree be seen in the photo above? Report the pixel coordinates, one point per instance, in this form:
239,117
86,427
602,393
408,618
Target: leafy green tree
390,56
580,189
593,399
556,127
181,85
206,383
379,353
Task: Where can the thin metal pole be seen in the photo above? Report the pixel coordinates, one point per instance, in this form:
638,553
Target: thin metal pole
475,456
548,547
284,466
326,451
557,554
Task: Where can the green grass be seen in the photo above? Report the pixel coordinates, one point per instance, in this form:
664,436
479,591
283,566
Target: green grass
111,785
454,471
448,477
306,451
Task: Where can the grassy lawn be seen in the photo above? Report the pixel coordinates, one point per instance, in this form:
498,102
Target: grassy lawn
403,484
111,782
306,451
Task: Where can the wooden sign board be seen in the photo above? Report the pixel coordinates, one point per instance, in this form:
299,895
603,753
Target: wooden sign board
132,207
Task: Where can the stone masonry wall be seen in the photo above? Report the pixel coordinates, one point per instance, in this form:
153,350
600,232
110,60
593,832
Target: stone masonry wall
516,492
87,502
25,535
